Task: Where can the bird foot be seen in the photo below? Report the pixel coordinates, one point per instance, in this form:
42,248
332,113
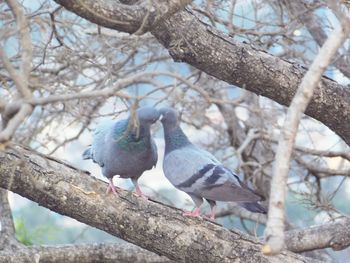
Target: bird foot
194,213
139,193
111,188
209,217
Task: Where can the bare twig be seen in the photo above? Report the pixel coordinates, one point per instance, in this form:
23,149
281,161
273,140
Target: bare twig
321,153
322,171
12,125
275,224
27,50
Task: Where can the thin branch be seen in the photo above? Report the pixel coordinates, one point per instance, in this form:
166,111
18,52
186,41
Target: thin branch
14,74
275,225
313,24
26,49
15,122
191,41
322,153
322,171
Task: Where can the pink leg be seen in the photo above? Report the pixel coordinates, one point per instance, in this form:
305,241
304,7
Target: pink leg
139,192
212,214
194,213
111,187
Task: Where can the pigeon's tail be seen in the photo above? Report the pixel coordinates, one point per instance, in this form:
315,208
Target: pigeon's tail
254,207
87,154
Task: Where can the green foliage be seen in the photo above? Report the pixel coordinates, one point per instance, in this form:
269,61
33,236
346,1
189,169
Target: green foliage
35,236
22,233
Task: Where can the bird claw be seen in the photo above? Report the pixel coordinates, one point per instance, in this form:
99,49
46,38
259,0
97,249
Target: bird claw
209,217
139,193
144,197
111,188
194,213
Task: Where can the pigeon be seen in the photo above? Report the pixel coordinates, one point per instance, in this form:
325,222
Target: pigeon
125,147
199,174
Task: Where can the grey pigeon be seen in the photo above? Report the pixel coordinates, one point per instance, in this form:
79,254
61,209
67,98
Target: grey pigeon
125,147
199,174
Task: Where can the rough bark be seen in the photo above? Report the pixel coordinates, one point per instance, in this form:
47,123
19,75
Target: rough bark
7,230
148,224
94,253
127,17
202,46
189,40
335,235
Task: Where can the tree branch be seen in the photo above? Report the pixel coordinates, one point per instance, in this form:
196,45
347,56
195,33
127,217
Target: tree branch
94,253
138,18
275,224
8,234
11,119
335,235
153,226
202,46
332,235
26,48
7,133
7,226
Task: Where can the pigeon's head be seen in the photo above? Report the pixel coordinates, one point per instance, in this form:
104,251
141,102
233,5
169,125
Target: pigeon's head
148,115
169,117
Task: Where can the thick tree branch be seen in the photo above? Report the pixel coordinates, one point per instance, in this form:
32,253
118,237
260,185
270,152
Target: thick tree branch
335,235
332,235
94,253
8,239
275,224
7,226
200,45
135,18
155,227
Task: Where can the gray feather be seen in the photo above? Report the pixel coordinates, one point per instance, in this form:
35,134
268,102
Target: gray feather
122,149
196,171
254,207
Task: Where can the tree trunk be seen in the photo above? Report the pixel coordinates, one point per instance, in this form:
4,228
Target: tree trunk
148,224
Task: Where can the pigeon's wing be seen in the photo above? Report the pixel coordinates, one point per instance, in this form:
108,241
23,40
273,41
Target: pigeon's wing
228,192
100,141
198,172
188,165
